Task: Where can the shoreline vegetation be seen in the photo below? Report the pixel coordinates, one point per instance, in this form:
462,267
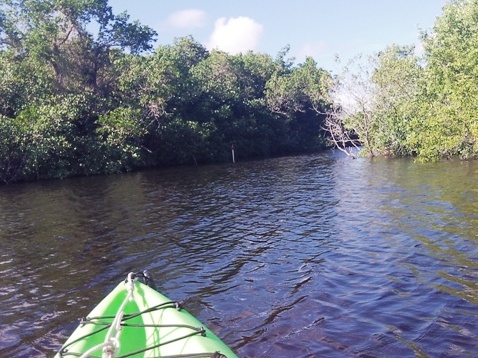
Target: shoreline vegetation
75,102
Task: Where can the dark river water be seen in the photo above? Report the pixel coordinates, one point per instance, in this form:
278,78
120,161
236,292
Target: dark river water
310,256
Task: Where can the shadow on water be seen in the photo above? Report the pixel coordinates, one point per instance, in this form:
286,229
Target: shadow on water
300,256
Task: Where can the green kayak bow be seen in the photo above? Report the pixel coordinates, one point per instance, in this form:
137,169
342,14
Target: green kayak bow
135,320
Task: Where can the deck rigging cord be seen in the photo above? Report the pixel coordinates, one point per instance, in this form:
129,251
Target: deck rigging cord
111,345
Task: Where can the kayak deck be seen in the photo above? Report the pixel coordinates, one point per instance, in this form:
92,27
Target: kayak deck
141,322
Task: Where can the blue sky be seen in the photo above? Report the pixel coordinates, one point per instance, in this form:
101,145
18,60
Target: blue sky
318,28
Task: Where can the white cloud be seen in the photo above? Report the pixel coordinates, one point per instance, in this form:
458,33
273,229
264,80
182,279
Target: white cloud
190,18
312,49
235,35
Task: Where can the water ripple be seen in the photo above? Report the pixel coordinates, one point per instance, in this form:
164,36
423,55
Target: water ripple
301,256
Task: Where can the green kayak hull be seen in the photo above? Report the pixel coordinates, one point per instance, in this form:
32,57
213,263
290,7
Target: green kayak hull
152,326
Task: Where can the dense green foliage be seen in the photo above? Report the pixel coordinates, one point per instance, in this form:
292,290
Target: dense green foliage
81,92
420,105
449,124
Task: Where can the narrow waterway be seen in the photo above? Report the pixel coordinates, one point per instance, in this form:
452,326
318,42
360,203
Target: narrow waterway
303,256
